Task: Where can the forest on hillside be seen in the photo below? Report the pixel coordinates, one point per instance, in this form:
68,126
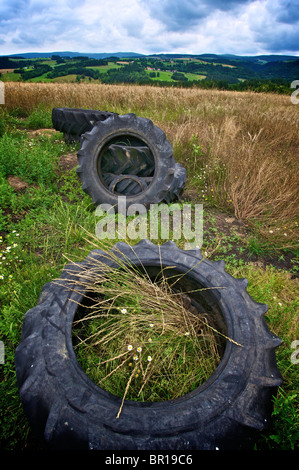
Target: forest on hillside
210,71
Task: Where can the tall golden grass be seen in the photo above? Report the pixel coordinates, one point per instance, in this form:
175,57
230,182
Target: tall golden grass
252,138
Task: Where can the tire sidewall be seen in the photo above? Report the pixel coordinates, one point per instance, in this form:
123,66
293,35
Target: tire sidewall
190,413
116,126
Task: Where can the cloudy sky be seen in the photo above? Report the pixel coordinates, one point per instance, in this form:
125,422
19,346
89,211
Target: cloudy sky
150,26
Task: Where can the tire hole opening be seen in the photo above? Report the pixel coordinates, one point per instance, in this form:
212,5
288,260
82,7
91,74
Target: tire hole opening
126,165
148,338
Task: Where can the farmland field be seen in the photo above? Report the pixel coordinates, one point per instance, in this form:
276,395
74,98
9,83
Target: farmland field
166,76
105,68
240,150
205,71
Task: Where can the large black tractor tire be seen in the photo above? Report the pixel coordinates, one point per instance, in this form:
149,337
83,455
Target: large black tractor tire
134,152
69,411
177,184
74,122
130,185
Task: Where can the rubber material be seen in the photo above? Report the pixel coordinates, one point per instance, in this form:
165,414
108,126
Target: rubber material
73,122
168,178
69,411
129,184
177,184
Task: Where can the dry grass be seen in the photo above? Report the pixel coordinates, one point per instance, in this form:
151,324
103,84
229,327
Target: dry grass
248,141
136,336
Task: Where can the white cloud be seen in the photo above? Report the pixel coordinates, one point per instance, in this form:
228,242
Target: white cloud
149,26
274,25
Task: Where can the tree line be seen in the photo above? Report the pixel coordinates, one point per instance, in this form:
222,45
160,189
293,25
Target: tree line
217,76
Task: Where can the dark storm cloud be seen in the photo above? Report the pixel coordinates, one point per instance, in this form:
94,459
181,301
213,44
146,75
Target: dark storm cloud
178,15
289,41
286,11
12,9
274,25
25,38
226,5
279,32
284,39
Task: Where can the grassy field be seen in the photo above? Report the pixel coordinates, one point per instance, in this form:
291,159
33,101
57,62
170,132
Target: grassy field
105,68
240,151
10,77
166,76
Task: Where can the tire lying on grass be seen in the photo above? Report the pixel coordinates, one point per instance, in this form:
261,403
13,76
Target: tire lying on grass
73,122
69,411
129,156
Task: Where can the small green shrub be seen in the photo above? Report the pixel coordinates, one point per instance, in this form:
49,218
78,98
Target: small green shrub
31,160
40,118
7,194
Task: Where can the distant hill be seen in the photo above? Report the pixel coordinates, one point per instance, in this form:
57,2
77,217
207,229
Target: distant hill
232,57
226,71
265,67
258,58
91,55
104,55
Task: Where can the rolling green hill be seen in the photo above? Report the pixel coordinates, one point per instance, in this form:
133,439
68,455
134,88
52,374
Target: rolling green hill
262,73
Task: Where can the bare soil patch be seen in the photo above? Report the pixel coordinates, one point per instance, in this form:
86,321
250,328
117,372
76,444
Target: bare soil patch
67,162
37,132
17,183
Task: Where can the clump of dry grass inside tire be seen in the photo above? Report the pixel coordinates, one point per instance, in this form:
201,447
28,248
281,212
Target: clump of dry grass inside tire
139,338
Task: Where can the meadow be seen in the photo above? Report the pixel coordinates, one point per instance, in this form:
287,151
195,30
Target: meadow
240,151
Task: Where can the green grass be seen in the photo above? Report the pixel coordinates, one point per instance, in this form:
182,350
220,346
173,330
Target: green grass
32,161
166,76
41,78
151,347
40,118
163,76
46,223
11,77
105,68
